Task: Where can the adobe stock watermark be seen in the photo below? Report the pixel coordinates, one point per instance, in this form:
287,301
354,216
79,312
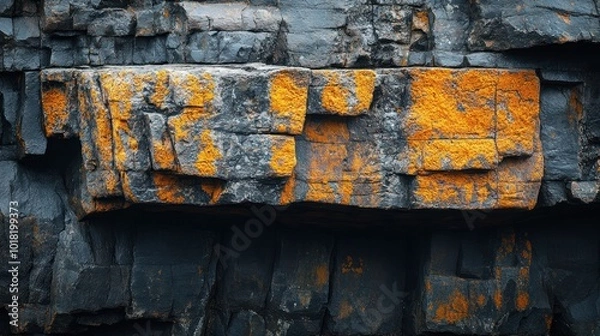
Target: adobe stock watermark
372,317
242,238
472,216
13,263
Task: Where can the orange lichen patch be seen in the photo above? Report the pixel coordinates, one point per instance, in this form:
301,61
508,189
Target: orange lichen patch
524,273
576,106
167,188
517,112
345,310
161,89
283,155
522,169
326,131
112,182
54,106
517,195
288,95
288,192
498,299
326,161
320,192
413,156
335,96
96,124
106,205
119,93
362,164
507,244
163,154
127,191
565,17
197,94
526,254
420,21
522,301
451,104
450,154
345,190
481,300
207,155
322,275
213,188
364,81
454,310
350,266
455,190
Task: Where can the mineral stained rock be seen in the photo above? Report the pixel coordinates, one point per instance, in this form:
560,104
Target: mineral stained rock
390,138
285,167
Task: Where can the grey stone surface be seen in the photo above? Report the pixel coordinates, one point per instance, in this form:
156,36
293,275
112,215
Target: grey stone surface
560,121
112,23
31,138
533,23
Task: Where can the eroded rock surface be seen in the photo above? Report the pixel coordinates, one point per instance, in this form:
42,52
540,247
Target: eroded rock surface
405,138
262,167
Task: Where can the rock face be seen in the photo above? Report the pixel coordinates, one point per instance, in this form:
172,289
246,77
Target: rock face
265,167
391,138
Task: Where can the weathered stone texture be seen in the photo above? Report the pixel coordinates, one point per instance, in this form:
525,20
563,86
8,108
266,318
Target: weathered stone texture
143,128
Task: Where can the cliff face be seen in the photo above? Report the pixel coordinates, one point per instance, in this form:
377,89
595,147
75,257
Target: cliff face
279,167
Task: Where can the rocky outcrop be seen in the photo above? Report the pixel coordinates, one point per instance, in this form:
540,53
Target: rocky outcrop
261,167
416,138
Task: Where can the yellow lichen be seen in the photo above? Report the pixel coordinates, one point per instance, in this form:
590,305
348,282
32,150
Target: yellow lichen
208,155
162,154
168,189
326,131
161,89
576,107
481,300
334,97
322,275
452,104
54,106
454,310
522,301
119,93
198,95
319,192
498,299
350,266
345,189
459,154
213,188
287,194
565,17
283,156
364,81
421,21
456,190
288,95
325,161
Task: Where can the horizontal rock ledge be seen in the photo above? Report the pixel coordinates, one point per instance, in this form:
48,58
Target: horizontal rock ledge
431,138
